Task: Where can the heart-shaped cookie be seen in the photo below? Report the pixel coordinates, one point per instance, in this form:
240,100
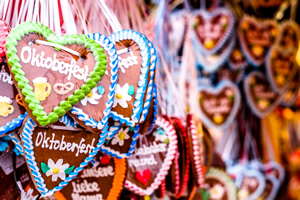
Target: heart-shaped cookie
261,98
220,104
104,180
281,67
290,95
52,73
150,163
212,29
256,38
271,188
56,155
237,60
134,63
93,111
289,35
211,63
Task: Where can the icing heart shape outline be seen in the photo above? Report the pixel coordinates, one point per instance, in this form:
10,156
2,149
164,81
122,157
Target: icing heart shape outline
140,92
251,101
250,58
215,91
108,46
223,38
164,169
269,66
288,24
23,84
143,176
27,133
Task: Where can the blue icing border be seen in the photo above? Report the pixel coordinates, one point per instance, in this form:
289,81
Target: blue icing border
209,68
35,171
142,84
109,47
119,155
15,123
214,90
16,140
225,38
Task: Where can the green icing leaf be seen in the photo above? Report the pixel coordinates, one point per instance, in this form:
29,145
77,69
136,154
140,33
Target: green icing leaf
131,90
205,194
131,128
44,167
69,170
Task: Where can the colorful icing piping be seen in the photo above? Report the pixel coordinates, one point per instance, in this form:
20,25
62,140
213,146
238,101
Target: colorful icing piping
13,60
15,123
16,140
237,100
160,177
196,150
4,32
109,47
142,84
223,39
27,132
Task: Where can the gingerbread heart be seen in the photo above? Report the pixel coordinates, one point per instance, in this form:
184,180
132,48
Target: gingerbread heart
290,95
212,29
256,38
271,188
261,98
101,181
289,35
150,163
56,155
220,104
11,113
52,73
281,67
134,63
93,111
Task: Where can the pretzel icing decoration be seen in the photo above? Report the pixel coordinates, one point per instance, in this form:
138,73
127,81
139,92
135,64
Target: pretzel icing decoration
61,88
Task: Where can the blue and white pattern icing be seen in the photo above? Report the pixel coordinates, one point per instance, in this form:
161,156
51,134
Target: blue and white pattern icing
117,154
109,47
27,133
142,83
15,123
16,140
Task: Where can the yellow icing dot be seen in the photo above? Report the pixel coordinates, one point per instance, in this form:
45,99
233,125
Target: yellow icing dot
90,94
209,43
280,79
119,96
257,50
218,119
122,135
237,54
55,170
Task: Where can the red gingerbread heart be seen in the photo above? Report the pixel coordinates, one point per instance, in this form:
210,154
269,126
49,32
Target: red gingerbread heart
143,176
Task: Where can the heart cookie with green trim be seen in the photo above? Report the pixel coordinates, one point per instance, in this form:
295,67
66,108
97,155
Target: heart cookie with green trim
52,73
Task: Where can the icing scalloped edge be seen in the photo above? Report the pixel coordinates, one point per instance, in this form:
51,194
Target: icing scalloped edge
196,152
167,126
32,165
109,47
15,123
142,83
16,140
13,60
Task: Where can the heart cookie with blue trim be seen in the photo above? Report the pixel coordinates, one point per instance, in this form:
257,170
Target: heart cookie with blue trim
52,73
220,104
56,155
93,111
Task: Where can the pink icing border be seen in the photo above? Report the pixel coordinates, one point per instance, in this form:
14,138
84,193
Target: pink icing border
196,152
4,31
177,172
168,127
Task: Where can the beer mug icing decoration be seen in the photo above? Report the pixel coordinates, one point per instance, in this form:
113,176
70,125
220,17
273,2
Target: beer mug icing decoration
93,111
134,76
256,38
11,113
52,73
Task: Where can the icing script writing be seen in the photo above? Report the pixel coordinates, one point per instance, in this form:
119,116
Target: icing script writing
259,91
127,62
61,145
28,56
98,172
146,150
5,77
211,106
86,187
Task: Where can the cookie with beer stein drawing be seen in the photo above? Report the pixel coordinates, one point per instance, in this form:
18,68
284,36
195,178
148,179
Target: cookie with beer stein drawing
12,113
52,73
256,37
134,75
93,111
55,155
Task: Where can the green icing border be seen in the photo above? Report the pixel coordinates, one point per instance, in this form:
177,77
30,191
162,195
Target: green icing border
19,75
